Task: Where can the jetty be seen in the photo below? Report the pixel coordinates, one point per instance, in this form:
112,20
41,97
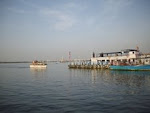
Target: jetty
86,64
126,57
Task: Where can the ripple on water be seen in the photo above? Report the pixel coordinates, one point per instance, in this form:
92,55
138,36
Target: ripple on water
59,89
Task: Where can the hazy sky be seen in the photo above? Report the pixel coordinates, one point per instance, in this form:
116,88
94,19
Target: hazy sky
49,29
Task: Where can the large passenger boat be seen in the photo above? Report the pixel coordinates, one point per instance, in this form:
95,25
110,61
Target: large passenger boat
128,59
37,64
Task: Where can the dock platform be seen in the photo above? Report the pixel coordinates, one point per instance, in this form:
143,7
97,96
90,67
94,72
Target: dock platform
86,64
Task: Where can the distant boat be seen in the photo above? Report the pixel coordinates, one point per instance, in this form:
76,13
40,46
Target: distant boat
37,64
131,67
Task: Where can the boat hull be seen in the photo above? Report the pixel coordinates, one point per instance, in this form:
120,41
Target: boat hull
136,68
38,66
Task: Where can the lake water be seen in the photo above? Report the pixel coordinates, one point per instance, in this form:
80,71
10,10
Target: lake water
58,89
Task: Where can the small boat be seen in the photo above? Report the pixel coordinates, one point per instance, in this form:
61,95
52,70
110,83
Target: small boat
37,64
131,67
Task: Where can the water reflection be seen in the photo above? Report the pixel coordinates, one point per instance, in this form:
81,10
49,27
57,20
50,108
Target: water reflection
131,78
134,79
38,71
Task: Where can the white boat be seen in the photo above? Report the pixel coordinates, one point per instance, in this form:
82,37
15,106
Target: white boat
37,64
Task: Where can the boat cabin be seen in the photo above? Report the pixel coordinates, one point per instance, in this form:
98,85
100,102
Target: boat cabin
113,58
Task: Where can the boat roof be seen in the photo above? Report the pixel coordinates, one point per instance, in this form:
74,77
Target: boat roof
127,50
122,51
111,53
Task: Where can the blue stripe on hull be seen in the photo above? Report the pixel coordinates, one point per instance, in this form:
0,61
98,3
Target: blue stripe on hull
138,67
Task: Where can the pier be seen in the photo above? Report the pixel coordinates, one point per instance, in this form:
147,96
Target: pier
127,59
86,64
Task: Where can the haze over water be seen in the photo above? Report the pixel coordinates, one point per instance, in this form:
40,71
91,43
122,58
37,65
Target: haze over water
59,89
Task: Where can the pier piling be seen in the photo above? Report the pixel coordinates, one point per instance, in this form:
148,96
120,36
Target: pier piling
86,64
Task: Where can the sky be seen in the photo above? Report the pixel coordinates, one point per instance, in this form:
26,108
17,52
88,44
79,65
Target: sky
49,29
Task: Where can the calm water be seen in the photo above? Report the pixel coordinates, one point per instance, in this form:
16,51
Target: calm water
63,90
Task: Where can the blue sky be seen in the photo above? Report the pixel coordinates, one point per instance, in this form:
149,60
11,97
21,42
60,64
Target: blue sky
49,29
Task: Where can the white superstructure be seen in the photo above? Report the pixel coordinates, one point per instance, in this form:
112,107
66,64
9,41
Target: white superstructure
37,64
127,55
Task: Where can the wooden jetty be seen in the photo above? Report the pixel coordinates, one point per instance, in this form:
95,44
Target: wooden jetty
86,64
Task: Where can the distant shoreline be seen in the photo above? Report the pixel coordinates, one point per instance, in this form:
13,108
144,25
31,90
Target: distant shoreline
16,62
5,62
